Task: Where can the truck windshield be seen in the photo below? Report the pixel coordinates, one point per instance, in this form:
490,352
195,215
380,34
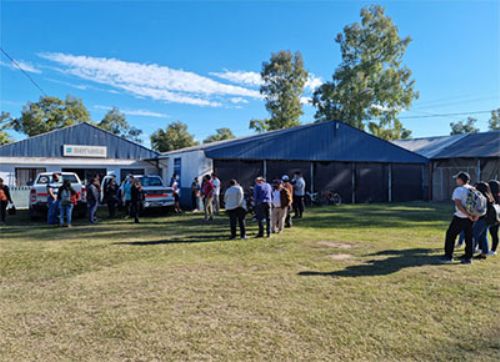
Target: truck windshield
45,179
151,181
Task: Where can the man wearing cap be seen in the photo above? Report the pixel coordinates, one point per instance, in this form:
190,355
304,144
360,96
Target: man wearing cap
289,187
462,220
262,198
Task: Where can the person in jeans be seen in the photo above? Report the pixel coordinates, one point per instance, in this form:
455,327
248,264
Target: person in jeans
299,192
281,201
92,199
196,195
126,194
65,197
111,197
174,184
217,185
262,197
495,191
480,227
234,199
288,185
462,221
52,202
5,199
137,196
207,189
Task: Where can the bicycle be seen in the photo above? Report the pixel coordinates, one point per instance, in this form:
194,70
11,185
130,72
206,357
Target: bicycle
323,198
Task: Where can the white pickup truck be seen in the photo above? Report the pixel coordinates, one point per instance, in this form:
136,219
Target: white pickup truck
39,193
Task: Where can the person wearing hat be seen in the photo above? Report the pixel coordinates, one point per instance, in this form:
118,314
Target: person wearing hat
288,185
462,221
262,196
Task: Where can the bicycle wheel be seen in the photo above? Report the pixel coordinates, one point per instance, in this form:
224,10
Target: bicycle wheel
336,199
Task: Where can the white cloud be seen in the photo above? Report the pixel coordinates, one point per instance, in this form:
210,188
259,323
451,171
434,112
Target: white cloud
305,100
149,80
239,77
237,100
26,66
313,82
135,112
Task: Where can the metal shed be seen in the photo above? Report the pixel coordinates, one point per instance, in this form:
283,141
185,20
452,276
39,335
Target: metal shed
476,153
332,156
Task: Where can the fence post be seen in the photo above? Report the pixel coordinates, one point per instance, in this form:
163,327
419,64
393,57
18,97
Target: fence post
389,174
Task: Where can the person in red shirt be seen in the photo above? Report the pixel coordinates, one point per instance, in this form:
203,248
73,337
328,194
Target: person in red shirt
208,189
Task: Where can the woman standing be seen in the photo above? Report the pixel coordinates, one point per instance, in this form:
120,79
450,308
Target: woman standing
65,196
480,228
5,199
137,197
111,197
495,191
196,195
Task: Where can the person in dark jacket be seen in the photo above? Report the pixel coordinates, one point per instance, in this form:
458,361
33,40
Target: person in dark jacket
5,199
65,195
137,196
495,191
111,197
92,199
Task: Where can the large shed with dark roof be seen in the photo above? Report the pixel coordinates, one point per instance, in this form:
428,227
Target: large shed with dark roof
332,156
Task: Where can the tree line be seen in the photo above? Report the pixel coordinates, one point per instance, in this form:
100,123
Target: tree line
368,90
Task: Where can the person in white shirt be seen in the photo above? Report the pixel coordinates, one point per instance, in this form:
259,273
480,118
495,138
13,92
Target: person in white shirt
299,192
462,221
234,200
281,200
216,200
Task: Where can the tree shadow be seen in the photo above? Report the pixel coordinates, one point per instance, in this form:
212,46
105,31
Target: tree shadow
397,260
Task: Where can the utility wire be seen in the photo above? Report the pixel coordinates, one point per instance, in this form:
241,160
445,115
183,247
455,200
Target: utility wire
22,70
446,114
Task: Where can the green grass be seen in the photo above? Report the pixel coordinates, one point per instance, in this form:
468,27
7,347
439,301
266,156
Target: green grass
348,283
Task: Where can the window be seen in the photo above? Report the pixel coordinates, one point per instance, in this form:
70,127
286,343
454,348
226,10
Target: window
178,167
130,171
26,176
86,174
147,181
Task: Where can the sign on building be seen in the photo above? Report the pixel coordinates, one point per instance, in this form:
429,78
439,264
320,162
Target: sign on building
85,151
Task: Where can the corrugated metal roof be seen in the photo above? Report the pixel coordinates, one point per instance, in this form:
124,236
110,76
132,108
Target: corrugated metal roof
50,144
473,145
326,141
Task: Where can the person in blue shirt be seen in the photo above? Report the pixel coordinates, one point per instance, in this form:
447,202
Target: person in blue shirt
262,196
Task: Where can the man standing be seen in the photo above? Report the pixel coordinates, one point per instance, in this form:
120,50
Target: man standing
5,199
92,199
287,185
234,198
299,192
207,189
52,201
137,195
216,182
262,199
281,201
462,221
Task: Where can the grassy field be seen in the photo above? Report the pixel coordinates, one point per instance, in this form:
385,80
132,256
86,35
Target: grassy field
348,283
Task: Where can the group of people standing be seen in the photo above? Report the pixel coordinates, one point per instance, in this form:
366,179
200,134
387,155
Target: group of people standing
206,195
272,204
471,227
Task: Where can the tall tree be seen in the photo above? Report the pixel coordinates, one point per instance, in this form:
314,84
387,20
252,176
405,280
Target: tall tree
494,122
283,79
4,137
115,122
371,85
221,134
47,114
175,136
463,127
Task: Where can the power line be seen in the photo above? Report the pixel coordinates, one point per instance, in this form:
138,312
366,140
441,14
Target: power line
18,66
446,114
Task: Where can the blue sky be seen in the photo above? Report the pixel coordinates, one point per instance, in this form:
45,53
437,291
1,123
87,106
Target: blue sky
196,61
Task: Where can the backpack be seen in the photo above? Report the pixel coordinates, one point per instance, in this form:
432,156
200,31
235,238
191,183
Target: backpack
476,203
493,215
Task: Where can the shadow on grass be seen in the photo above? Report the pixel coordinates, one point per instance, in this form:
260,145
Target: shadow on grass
397,260
183,240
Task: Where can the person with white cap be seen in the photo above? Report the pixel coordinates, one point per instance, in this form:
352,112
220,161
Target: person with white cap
288,185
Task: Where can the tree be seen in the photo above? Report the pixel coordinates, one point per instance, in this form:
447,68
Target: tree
371,86
115,122
221,134
463,127
283,79
47,114
494,122
4,137
175,136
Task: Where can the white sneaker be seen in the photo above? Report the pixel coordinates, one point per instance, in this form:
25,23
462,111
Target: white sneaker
491,253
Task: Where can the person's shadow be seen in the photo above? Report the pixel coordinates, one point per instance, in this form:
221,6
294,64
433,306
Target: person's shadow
396,260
